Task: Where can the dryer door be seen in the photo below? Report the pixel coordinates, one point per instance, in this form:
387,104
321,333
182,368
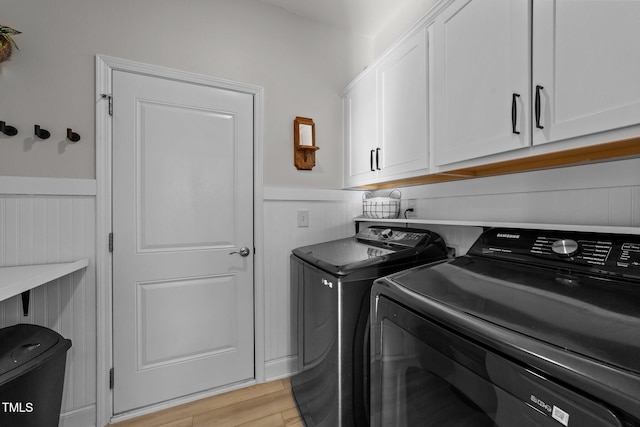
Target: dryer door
424,374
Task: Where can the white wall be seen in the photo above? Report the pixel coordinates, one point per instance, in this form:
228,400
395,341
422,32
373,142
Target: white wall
331,216
302,66
404,18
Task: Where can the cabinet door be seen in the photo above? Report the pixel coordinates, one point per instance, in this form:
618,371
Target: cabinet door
403,100
360,127
587,64
483,73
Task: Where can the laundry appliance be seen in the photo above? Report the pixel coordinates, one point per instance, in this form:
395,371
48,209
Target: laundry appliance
529,328
333,282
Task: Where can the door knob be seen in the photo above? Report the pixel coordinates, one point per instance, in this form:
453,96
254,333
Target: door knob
243,251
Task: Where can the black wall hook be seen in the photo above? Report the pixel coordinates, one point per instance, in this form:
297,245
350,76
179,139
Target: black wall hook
72,136
41,133
8,130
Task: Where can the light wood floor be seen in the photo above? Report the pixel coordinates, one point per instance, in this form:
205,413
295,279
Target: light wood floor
261,405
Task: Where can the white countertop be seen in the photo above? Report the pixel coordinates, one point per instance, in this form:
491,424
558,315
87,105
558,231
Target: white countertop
15,280
524,225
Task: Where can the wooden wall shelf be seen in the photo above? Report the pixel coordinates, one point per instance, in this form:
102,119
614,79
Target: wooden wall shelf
617,150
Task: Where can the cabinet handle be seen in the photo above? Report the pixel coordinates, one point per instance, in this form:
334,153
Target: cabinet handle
538,89
378,158
371,161
514,113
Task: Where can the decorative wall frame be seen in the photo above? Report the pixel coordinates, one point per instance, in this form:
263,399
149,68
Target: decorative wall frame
304,143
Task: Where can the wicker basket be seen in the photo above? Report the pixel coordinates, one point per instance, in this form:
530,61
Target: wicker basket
381,207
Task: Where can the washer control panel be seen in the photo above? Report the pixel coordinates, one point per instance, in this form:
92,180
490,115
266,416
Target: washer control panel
602,252
405,237
565,247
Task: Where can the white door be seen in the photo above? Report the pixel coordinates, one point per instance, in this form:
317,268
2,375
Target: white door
182,205
403,100
483,74
586,67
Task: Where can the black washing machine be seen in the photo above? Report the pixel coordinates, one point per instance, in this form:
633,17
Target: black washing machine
333,281
530,328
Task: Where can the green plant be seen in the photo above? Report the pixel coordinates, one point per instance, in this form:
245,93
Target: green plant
6,42
6,36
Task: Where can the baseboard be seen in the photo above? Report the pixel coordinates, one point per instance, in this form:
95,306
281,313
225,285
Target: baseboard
83,417
179,401
281,368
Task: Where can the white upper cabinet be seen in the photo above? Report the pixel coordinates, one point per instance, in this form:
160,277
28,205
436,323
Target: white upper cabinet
360,131
585,63
386,116
486,81
586,67
482,79
403,108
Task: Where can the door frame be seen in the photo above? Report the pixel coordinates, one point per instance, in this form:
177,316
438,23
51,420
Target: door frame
104,67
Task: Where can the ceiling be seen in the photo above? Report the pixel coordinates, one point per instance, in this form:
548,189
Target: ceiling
364,17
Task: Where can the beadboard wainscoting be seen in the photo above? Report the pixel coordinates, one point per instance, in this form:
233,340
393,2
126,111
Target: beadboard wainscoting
331,214
601,194
46,221
596,195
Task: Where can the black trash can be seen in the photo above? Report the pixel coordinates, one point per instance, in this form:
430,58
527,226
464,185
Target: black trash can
32,363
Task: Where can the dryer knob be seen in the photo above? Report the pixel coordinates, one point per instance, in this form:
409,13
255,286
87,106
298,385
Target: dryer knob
565,247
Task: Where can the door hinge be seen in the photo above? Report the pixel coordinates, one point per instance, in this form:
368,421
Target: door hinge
110,242
110,98
111,379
